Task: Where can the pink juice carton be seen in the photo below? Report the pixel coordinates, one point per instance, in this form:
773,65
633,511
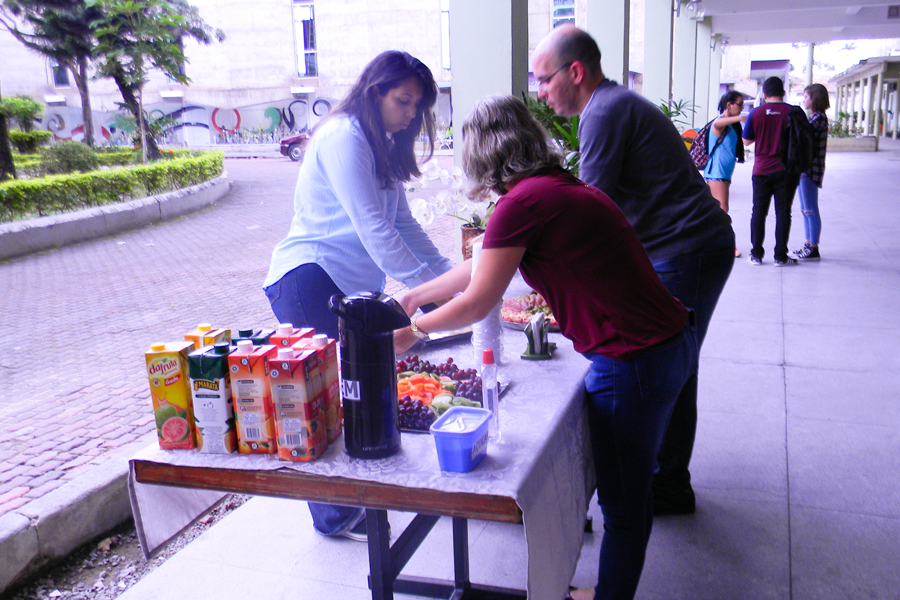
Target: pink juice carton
205,335
251,393
331,386
287,335
211,394
170,392
298,398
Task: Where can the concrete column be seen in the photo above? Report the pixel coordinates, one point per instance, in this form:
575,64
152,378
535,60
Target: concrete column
608,22
658,50
706,89
489,50
870,107
715,70
684,69
809,64
895,121
879,101
852,106
838,98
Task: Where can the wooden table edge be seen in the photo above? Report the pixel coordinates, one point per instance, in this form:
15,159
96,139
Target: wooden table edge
331,490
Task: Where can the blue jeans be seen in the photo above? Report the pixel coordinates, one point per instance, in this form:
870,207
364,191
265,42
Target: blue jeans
697,280
809,205
629,404
301,298
782,187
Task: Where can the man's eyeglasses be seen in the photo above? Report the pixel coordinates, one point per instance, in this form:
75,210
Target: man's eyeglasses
542,81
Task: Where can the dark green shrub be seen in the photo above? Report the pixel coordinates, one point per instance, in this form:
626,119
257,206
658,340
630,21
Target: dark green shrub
68,157
23,110
28,142
60,193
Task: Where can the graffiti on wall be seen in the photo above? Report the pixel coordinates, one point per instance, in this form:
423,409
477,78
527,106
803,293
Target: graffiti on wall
177,124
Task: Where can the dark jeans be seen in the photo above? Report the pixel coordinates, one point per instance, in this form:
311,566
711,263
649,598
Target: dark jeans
782,187
697,280
301,298
629,404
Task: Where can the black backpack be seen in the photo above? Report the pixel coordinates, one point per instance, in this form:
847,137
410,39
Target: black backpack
797,143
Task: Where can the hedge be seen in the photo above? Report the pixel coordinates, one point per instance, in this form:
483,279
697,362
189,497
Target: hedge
28,142
62,193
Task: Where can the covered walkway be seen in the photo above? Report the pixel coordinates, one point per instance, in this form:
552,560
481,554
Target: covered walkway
797,465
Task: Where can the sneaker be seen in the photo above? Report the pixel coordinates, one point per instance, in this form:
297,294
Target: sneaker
359,533
787,262
754,260
803,249
808,253
674,502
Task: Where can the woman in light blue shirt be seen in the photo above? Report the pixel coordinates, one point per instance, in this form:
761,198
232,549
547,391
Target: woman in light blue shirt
352,224
725,148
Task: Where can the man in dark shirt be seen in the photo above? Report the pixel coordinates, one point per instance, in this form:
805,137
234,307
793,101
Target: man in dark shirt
631,151
765,125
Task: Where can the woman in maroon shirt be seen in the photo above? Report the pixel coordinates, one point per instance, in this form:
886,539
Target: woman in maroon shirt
574,246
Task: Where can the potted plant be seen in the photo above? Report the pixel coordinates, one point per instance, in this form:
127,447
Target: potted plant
451,200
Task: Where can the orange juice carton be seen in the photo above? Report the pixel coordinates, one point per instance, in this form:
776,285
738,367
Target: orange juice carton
205,335
287,335
298,398
331,387
251,393
170,391
211,393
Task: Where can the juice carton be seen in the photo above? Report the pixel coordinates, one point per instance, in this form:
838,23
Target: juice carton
242,334
262,337
251,392
205,335
297,393
211,392
328,367
170,391
257,336
287,335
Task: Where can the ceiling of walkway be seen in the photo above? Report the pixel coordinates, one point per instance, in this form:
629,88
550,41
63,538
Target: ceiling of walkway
778,21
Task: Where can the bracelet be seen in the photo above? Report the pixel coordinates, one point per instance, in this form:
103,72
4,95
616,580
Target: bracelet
415,329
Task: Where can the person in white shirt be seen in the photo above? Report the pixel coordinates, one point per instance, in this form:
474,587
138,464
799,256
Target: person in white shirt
352,224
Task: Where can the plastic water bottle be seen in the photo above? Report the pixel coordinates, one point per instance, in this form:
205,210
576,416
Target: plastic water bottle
490,393
486,332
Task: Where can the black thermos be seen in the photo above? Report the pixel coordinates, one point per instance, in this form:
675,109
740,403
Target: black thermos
366,327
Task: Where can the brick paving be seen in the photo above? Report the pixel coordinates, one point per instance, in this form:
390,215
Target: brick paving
75,323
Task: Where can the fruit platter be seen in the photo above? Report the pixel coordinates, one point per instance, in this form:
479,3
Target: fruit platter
515,313
425,391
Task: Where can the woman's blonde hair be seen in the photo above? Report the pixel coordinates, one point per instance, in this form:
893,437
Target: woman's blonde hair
503,143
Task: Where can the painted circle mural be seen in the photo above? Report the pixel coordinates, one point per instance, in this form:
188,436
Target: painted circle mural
221,130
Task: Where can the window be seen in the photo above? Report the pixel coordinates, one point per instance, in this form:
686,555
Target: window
305,38
60,75
563,12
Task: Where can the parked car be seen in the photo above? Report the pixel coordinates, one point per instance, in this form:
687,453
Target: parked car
294,146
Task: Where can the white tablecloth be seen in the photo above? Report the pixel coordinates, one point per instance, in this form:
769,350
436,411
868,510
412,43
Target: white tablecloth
543,462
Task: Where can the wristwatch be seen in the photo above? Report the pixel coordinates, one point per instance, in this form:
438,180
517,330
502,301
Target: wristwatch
416,331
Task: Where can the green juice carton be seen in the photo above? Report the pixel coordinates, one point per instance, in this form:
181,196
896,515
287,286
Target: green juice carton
211,398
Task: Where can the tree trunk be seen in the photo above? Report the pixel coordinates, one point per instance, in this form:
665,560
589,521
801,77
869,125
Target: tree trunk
140,120
80,73
7,169
143,129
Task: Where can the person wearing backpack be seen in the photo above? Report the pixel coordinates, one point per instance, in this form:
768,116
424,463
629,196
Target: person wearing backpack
724,149
766,125
815,100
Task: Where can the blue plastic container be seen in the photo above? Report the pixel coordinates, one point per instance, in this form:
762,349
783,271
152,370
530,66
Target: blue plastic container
461,438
